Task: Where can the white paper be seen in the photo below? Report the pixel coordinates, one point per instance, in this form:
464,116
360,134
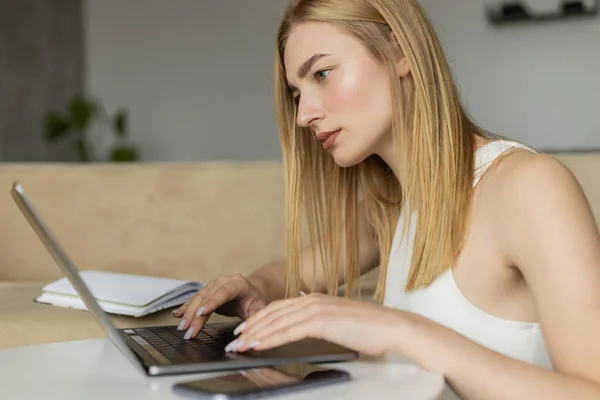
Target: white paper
65,301
127,289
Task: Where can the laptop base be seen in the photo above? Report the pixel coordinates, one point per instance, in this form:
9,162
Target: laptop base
163,351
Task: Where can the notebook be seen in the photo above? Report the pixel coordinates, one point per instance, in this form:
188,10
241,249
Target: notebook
122,294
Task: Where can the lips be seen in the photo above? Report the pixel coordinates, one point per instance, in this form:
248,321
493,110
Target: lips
327,138
323,136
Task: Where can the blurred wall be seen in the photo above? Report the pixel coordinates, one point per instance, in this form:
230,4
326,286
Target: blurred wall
538,82
197,75
41,67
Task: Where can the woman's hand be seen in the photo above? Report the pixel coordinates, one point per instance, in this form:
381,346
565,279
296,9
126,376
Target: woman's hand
228,295
358,325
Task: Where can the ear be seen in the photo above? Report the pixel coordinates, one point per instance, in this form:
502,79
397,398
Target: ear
402,68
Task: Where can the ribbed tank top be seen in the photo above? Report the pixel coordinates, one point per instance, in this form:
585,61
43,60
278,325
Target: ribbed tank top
444,303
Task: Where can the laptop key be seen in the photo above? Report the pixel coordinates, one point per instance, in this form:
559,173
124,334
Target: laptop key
208,345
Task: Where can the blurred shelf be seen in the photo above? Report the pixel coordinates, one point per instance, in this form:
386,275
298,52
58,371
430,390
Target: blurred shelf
515,12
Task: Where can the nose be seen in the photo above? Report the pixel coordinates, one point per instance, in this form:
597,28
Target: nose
310,111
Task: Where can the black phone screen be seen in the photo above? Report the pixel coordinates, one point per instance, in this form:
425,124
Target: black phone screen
268,379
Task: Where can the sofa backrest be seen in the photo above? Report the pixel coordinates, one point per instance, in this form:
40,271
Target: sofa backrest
188,221
586,168
181,220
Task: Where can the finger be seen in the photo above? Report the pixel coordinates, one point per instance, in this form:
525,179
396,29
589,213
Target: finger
195,309
181,310
184,307
255,306
194,318
196,325
226,289
274,307
289,328
263,313
223,290
269,316
190,308
288,316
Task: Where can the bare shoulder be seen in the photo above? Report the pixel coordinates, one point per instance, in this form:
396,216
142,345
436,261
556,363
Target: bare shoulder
524,179
527,182
536,195
524,169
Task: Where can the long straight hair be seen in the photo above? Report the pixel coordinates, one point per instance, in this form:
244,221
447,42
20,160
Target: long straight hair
431,131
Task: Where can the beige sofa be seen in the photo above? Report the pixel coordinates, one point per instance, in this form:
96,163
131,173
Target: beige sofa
180,220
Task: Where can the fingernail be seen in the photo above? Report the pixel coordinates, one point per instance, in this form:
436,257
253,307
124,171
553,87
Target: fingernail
302,293
201,310
181,325
243,373
231,346
239,345
239,328
253,344
188,334
175,312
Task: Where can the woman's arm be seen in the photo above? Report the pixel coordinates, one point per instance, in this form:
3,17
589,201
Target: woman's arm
476,372
546,228
270,280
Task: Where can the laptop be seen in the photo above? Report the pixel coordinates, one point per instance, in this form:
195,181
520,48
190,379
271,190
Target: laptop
162,350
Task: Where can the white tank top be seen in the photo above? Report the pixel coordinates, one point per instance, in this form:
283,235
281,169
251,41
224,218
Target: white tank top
443,302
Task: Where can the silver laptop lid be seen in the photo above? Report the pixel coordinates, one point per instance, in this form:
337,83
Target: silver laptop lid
70,271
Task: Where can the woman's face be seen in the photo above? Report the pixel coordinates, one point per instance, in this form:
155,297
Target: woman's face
341,89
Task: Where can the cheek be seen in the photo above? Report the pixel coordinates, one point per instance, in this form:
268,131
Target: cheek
358,95
347,94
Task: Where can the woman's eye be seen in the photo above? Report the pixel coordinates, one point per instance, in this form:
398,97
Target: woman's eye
322,74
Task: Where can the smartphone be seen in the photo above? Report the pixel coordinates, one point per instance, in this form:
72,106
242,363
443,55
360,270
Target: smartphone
262,382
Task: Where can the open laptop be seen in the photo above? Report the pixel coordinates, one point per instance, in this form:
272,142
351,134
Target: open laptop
161,350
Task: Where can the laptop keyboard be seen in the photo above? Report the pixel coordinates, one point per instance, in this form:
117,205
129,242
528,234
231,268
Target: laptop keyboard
209,344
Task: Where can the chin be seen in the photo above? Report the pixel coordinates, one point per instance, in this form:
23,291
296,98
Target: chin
346,159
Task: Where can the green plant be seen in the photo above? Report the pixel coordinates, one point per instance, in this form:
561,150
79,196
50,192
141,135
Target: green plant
81,115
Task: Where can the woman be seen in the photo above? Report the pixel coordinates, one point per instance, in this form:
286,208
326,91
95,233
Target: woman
489,254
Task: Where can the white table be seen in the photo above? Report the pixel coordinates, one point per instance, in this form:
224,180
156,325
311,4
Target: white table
96,369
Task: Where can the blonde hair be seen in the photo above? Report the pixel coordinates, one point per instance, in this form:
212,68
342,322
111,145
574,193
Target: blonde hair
430,130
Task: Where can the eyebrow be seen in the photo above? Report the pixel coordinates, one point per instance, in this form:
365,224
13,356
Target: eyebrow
307,65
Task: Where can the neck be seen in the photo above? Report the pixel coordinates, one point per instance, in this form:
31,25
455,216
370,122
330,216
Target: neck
391,156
